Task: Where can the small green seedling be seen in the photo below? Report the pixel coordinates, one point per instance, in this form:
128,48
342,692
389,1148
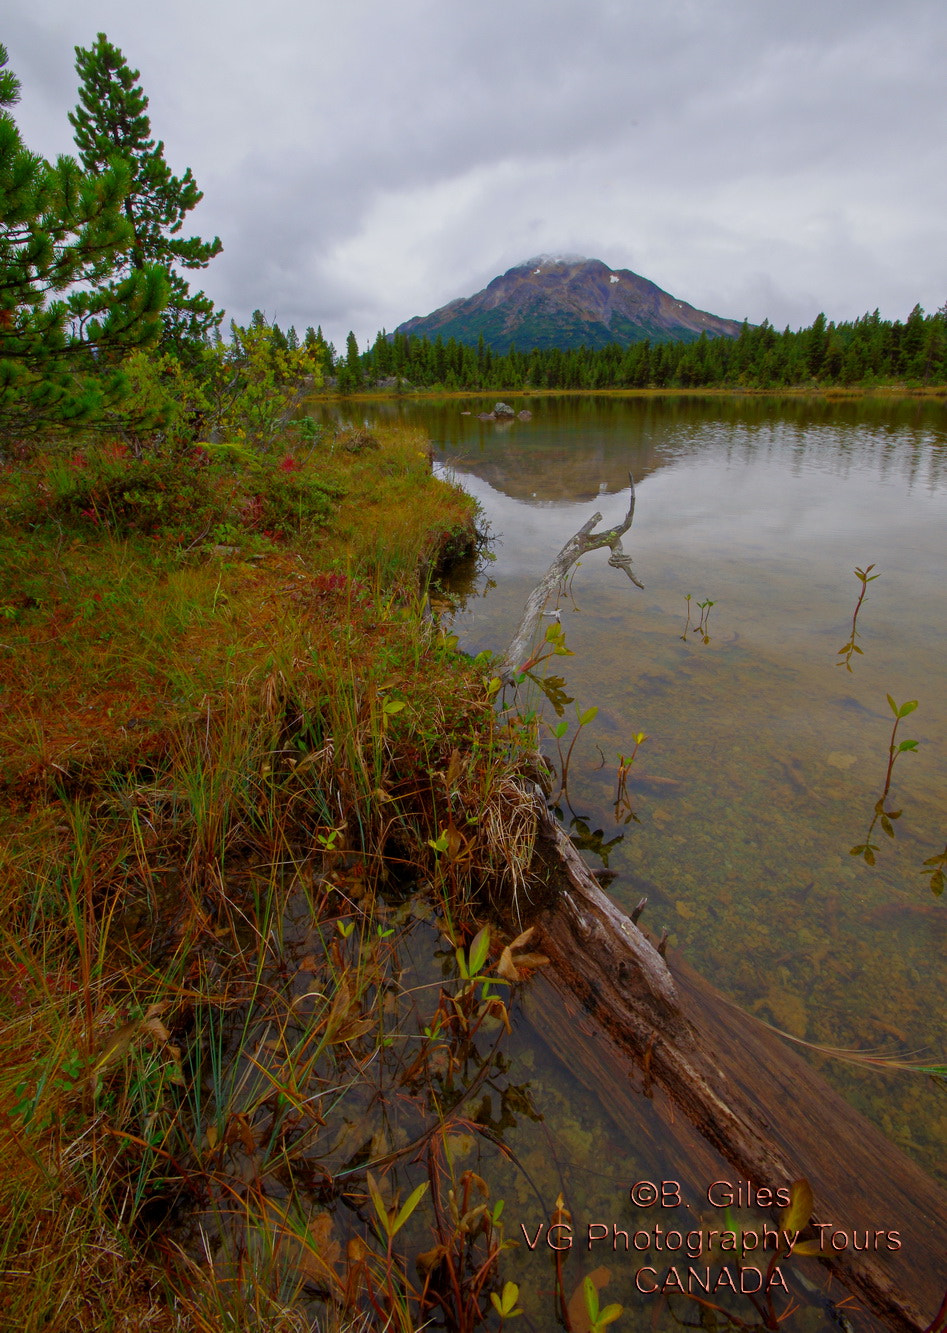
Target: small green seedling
866,850
393,1221
687,622
622,801
328,840
865,577
505,1303
702,627
584,718
598,1318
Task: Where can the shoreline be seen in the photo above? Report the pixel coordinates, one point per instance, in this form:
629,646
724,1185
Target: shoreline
798,391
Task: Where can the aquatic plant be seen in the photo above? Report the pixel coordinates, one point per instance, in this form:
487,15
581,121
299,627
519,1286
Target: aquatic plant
583,717
866,850
865,577
687,622
871,1059
505,1302
701,627
623,810
586,839
598,1318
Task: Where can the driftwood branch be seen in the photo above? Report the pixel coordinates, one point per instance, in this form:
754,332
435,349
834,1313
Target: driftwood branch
576,547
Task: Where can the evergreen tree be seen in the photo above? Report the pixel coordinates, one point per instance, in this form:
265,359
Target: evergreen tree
816,344
60,229
319,352
111,124
381,356
353,363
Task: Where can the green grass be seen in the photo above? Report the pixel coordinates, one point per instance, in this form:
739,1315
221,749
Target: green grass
229,778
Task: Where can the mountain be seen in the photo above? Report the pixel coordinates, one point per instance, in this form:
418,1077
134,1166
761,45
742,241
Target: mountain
555,301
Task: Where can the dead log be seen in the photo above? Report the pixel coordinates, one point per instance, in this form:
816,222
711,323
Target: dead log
615,1011
585,540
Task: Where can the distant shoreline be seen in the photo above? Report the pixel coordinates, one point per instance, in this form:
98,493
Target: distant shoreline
927,391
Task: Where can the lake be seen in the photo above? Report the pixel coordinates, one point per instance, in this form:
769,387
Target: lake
764,755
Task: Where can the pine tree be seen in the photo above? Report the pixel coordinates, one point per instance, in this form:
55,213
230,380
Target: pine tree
319,351
60,229
353,362
111,124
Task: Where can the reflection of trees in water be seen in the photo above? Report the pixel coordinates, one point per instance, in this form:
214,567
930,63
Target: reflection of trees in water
578,448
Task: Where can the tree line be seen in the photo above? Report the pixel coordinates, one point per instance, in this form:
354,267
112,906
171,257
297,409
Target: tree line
864,352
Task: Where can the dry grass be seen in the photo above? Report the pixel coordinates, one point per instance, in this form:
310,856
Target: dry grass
213,763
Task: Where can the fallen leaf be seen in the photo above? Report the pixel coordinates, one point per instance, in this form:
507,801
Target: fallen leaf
506,968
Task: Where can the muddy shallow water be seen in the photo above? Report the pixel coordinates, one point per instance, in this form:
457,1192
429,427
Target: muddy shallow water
764,756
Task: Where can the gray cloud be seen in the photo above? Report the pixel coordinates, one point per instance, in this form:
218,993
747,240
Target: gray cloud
366,162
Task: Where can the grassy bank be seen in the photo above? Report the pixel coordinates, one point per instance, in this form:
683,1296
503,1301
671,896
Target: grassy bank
243,772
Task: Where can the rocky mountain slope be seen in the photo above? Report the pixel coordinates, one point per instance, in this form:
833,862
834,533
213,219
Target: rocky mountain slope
568,302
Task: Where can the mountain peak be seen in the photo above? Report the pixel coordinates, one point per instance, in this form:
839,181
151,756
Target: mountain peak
543,261
568,301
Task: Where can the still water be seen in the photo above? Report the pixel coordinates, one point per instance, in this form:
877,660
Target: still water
764,756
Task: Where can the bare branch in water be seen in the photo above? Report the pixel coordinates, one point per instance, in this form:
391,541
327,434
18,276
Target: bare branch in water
584,541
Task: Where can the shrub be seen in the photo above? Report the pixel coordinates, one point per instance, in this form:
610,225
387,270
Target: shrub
181,493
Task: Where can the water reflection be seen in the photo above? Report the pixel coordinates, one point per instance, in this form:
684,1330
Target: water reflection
577,448
763,758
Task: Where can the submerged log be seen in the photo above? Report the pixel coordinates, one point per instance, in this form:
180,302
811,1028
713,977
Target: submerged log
624,1018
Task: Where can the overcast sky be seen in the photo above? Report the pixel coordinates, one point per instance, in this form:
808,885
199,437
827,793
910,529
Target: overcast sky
364,161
